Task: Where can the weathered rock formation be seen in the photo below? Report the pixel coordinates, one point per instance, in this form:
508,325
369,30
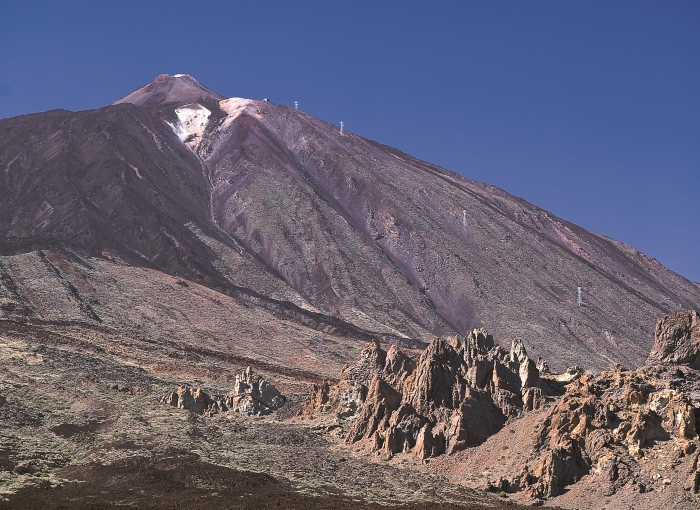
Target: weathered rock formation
677,340
251,395
457,394
345,398
605,423
194,400
460,392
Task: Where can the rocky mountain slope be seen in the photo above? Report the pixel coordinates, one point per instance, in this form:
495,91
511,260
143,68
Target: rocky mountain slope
272,206
160,322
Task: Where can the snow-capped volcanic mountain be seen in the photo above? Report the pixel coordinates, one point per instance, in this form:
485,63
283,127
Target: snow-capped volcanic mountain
275,208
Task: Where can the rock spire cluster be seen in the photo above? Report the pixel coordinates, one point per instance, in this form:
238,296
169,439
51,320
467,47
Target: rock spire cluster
459,392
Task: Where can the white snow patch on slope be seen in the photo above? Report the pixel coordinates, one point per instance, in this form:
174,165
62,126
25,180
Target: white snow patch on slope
192,121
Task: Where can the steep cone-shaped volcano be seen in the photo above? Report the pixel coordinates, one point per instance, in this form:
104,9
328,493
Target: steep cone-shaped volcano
166,89
265,201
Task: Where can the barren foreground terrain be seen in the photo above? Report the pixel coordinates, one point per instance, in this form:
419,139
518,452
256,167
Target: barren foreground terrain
84,431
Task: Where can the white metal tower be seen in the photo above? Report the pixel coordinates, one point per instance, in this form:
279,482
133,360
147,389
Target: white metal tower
342,124
580,296
464,217
296,105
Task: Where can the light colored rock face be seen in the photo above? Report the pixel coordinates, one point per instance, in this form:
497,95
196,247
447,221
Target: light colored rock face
343,399
191,124
195,400
677,339
457,394
252,395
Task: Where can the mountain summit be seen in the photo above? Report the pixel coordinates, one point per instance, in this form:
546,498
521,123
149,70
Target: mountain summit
334,232
166,89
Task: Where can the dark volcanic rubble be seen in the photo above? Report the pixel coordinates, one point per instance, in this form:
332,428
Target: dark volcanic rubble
459,392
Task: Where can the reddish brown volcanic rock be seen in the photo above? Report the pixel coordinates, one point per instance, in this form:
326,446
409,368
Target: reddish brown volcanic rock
171,90
605,424
455,395
621,433
677,339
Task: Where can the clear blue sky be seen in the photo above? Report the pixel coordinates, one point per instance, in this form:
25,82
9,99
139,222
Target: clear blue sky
588,109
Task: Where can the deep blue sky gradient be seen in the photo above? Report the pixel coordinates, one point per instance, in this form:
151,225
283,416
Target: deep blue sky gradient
588,109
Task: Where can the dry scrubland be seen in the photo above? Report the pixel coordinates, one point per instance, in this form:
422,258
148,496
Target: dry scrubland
88,347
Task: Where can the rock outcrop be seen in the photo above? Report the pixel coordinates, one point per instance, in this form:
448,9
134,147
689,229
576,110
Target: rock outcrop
604,424
609,427
345,398
251,395
677,340
458,393
194,400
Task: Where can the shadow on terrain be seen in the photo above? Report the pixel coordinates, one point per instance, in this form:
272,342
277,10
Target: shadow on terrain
179,480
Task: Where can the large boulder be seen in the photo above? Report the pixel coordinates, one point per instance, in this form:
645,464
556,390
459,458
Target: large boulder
677,340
